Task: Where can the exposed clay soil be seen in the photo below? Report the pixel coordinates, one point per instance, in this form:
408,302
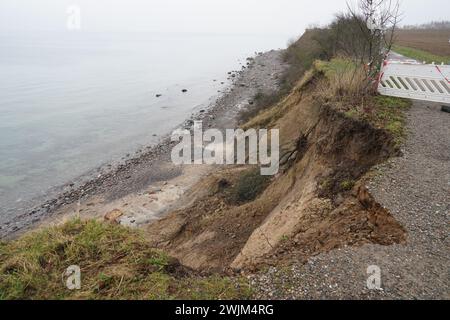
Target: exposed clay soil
306,209
312,230
415,188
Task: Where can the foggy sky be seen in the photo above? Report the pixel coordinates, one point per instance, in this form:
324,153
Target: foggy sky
284,17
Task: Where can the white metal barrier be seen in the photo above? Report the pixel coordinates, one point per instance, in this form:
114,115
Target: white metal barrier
411,80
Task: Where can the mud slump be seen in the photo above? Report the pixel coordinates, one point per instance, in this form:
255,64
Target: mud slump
318,202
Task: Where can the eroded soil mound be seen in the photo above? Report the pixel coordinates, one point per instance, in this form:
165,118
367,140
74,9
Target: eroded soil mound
316,203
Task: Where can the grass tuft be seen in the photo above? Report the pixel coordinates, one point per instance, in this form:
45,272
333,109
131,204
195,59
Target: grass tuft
347,185
115,263
344,79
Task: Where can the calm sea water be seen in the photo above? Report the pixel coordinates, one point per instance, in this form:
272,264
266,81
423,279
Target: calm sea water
74,101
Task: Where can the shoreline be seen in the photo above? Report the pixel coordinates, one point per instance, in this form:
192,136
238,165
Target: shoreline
149,166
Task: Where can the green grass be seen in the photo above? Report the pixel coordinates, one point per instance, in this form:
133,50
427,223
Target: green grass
334,67
346,80
347,185
421,55
342,91
389,113
358,102
383,112
115,262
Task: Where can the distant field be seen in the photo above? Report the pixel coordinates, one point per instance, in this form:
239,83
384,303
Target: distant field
432,41
421,55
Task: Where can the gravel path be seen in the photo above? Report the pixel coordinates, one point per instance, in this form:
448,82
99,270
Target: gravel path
416,189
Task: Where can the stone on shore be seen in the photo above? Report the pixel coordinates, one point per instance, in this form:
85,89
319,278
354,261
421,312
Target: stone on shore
113,216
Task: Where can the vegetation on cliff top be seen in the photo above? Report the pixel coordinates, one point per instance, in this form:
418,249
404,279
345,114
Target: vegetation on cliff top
345,90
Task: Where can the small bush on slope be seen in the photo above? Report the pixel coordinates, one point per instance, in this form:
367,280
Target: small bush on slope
248,187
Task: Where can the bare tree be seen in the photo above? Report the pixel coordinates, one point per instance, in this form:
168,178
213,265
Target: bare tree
378,21
365,35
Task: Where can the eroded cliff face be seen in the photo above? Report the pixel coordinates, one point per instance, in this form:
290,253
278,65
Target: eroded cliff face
318,201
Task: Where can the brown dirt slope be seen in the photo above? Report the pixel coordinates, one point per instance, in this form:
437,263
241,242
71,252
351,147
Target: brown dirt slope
316,203
415,189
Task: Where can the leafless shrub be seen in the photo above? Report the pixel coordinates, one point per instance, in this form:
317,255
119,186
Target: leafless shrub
377,21
364,34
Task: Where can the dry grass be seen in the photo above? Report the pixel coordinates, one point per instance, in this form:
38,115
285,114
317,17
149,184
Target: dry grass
261,101
275,111
345,87
343,79
342,85
115,262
